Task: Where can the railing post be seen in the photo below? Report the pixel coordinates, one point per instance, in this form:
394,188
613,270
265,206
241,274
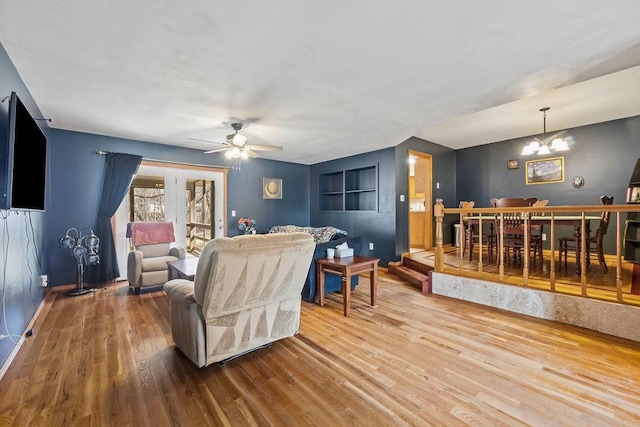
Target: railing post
438,212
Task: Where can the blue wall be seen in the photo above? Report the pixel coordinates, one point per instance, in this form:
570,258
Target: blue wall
604,154
245,195
22,255
374,227
443,161
77,181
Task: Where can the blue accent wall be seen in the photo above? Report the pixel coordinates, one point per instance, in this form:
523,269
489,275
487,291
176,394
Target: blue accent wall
23,255
245,195
604,154
77,182
374,227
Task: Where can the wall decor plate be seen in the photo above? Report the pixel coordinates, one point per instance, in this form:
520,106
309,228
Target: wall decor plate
577,182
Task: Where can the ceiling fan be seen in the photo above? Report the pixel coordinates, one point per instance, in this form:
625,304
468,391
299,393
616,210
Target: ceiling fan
236,147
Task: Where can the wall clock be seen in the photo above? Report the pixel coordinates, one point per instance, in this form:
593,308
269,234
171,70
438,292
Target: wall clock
577,182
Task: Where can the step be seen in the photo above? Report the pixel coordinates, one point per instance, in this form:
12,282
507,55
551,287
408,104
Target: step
411,276
417,265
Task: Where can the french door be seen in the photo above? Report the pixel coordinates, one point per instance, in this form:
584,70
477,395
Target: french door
176,194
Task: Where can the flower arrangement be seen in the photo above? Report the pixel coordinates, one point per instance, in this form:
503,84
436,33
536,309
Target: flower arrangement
247,225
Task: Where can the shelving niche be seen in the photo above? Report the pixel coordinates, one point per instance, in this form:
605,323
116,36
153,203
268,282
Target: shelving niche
349,190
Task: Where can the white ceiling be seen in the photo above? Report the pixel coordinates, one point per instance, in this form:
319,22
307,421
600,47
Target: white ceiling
326,79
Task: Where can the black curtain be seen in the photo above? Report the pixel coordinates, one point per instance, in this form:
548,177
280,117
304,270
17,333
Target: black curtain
119,172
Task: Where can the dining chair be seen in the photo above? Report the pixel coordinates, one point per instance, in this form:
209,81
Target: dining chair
537,231
513,241
568,243
470,236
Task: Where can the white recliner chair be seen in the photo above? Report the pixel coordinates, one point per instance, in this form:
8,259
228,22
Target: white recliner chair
246,295
147,261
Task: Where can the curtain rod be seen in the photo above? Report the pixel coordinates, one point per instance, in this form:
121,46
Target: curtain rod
104,153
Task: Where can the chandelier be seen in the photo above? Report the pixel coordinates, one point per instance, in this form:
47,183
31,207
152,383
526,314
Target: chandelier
541,146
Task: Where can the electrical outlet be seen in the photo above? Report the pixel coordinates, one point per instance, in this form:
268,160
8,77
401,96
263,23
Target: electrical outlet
370,246
544,236
402,197
44,280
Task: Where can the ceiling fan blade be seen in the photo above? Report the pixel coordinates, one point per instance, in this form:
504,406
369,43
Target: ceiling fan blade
251,153
264,147
216,151
210,142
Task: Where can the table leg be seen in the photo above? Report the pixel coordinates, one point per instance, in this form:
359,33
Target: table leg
373,281
320,283
346,294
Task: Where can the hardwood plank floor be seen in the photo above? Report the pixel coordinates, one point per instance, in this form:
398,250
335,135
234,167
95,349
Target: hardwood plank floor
600,285
107,359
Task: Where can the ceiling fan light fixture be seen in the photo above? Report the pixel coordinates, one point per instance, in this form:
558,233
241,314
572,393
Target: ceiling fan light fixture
244,155
239,139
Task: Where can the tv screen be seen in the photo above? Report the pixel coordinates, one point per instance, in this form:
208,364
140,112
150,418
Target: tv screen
27,159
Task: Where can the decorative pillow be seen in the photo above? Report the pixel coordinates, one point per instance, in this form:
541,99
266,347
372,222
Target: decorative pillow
319,234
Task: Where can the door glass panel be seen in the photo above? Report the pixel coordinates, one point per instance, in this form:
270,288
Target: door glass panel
147,199
200,196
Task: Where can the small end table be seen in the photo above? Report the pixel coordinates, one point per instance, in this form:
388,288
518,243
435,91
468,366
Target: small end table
183,268
347,267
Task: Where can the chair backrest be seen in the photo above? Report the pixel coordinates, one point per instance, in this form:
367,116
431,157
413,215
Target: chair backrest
604,218
467,205
512,202
150,232
238,273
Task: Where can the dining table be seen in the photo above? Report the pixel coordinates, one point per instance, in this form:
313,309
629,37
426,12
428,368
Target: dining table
574,221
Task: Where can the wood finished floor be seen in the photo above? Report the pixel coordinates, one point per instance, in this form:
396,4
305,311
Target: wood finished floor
600,285
107,359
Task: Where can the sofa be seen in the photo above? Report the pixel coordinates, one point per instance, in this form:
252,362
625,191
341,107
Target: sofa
246,295
324,237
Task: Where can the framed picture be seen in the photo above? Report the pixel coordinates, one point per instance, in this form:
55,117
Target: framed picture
545,171
513,164
271,188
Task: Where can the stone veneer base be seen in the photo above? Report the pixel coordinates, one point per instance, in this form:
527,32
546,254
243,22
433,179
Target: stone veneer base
619,320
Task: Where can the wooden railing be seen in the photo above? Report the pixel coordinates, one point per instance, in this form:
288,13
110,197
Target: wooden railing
553,215
195,242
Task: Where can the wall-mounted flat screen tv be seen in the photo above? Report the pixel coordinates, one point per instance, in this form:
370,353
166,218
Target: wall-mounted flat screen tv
26,178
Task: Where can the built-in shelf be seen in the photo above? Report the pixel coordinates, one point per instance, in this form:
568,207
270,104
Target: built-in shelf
349,190
632,241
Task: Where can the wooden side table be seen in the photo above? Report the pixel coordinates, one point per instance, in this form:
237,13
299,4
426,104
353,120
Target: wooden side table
347,267
183,268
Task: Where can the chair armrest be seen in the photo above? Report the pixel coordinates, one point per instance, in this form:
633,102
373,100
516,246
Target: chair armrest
180,290
134,267
179,253
187,322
